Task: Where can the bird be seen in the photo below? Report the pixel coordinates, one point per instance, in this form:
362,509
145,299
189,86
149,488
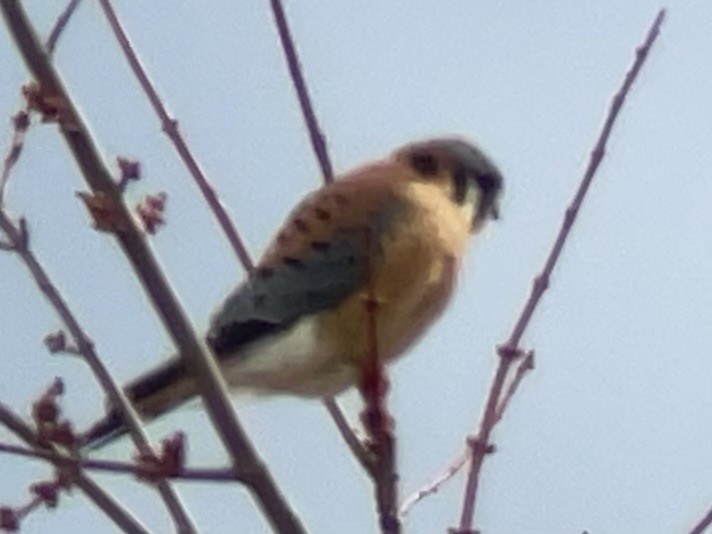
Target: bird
394,230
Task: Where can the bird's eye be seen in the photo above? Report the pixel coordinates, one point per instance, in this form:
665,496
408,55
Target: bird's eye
460,186
424,163
487,182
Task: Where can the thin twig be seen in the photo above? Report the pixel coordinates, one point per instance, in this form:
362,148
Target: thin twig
480,444
123,519
706,521
523,369
85,347
171,129
375,418
434,485
21,119
357,447
221,474
59,25
20,125
300,86
198,360
321,152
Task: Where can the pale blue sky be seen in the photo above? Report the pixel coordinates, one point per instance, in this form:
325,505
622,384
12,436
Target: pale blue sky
612,433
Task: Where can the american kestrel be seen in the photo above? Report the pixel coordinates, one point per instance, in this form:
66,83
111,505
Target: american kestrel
394,230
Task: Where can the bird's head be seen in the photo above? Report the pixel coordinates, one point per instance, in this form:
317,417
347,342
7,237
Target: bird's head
469,177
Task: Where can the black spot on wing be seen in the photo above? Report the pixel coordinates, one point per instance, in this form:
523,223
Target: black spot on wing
104,431
322,214
224,340
156,381
264,273
341,200
294,263
320,246
301,225
267,304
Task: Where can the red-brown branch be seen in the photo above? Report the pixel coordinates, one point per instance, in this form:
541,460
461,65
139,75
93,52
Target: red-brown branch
142,471
145,265
480,443
375,418
300,86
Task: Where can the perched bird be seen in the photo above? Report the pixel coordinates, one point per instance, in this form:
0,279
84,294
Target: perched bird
394,231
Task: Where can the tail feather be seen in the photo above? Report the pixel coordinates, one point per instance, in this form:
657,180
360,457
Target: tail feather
104,431
152,394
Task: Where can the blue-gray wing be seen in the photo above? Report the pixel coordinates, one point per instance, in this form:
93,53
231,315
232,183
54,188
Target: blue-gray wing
321,257
277,296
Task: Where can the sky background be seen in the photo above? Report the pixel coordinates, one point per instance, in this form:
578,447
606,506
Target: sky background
611,433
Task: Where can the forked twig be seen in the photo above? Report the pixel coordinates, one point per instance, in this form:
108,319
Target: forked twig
133,244
170,127
123,519
524,367
21,119
480,444
18,237
434,485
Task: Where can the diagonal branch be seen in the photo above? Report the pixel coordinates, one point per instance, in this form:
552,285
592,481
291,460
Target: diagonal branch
357,447
434,485
20,244
60,24
321,152
300,86
510,350
145,266
703,524
171,129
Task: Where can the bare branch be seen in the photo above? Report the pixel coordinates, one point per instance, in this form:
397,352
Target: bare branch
523,369
706,521
357,447
321,152
377,421
222,474
434,485
295,71
59,25
480,443
84,346
170,127
197,359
